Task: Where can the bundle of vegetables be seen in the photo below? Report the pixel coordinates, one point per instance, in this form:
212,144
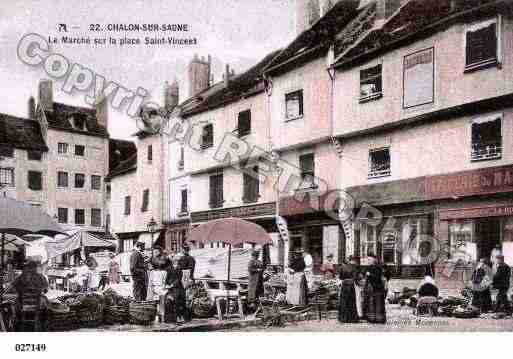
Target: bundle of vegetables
142,313
90,310
202,306
466,312
112,298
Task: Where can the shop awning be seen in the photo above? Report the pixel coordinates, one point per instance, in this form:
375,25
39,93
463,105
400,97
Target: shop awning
77,240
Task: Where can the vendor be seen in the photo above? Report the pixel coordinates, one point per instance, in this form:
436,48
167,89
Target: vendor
427,288
297,289
256,281
328,269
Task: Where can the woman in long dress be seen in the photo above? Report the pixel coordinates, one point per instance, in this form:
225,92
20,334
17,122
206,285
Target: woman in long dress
481,280
256,279
374,302
347,310
297,289
175,297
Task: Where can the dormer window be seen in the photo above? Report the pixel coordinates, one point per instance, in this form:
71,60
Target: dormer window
78,121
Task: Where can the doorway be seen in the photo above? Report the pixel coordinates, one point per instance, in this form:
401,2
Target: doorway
488,236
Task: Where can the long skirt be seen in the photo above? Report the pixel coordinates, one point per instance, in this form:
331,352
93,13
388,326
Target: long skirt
174,305
374,306
297,290
347,311
358,289
140,289
482,300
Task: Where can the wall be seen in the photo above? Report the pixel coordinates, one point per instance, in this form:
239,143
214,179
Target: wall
441,147
452,87
314,80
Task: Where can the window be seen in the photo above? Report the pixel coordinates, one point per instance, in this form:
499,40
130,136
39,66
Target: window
250,185
486,138
79,216
79,150
183,202
181,161
307,166
34,155
107,223
216,191
79,121
35,180
96,217
370,83
62,214
244,123
62,148
79,180
145,200
150,153
379,163
294,105
96,182
419,78
6,151
127,205
62,179
6,177
207,136
107,191
482,45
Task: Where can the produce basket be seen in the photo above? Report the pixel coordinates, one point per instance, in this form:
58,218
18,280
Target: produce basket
62,322
88,318
143,313
116,314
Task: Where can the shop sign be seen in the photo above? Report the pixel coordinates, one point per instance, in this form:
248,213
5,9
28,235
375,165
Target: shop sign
468,183
479,212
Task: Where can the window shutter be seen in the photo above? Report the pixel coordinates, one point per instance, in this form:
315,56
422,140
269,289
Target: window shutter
184,201
35,180
482,44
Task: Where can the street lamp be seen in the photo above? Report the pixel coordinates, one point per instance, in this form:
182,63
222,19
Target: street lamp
152,228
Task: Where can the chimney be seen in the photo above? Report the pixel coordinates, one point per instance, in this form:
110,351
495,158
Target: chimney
31,108
171,95
199,71
385,8
102,111
45,96
307,13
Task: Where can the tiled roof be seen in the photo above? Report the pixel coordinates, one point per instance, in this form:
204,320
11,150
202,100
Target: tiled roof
246,84
21,133
120,151
414,17
315,41
59,119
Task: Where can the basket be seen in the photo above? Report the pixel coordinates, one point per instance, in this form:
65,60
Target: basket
116,314
88,318
142,313
62,322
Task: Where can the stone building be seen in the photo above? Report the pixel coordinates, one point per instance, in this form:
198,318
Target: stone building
423,117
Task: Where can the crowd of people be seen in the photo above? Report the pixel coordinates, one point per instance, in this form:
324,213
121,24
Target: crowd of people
165,279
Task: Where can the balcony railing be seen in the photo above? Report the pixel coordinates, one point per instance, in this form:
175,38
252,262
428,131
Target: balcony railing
486,152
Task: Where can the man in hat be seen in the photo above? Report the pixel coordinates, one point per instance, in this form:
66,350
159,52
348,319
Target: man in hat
139,273
186,265
159,261
256,279
501,281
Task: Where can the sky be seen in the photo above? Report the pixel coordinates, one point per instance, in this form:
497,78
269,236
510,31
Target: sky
238,32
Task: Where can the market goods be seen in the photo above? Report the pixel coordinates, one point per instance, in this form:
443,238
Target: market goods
142,313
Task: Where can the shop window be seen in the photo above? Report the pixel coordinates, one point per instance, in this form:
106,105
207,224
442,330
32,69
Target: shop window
35,180
244,123
183,201
307,166
79,150
62,215
461,240
294,105
6,151
487,138
207,136
96,182
96,217
127,205
379,163
62,148
79,121
150,153
79,180
7,177
145,200
34,155
251,186
80,216
482,45
371,83
216,191
368,242
62,179
389,247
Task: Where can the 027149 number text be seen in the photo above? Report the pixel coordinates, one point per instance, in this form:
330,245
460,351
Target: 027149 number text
30,347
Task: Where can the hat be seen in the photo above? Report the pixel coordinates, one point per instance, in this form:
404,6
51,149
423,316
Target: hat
500,256
330,255
139,244
186,247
